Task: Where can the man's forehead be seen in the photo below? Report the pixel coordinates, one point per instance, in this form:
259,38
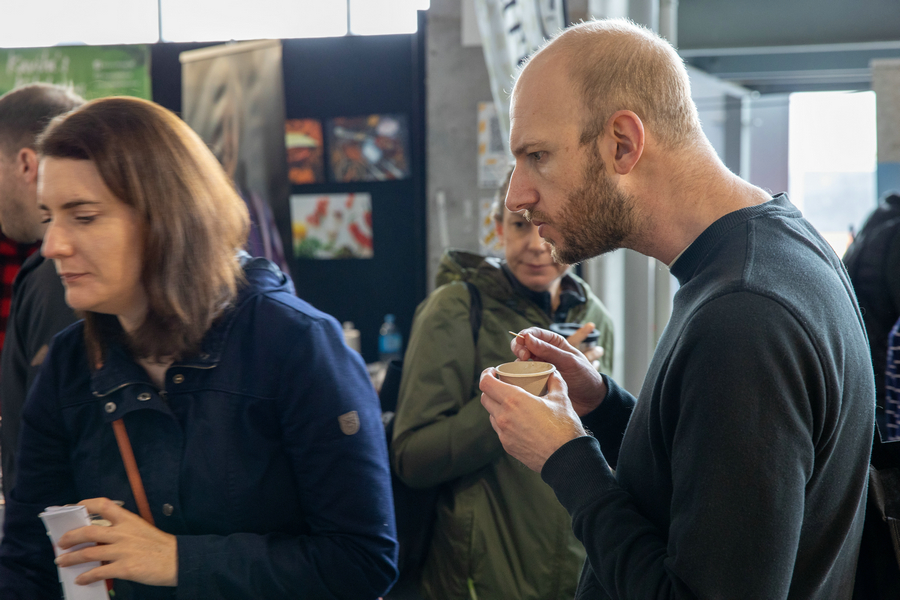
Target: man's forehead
541,99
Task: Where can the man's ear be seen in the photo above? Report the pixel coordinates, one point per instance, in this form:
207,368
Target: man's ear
622,142
27,165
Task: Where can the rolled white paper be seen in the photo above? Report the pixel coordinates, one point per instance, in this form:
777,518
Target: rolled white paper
58,520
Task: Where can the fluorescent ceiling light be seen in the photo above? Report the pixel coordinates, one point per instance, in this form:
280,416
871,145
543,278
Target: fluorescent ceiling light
96,22
214,20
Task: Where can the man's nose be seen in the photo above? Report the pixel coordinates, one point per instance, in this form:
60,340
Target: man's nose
521,195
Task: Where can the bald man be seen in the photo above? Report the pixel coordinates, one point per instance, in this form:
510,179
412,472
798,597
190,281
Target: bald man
740,470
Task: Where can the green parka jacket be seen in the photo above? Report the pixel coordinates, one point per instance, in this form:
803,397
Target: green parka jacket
500,532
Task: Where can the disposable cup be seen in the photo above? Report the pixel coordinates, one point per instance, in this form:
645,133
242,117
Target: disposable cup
530,375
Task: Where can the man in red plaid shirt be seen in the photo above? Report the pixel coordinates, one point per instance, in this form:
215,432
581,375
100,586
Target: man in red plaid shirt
12,255
32,298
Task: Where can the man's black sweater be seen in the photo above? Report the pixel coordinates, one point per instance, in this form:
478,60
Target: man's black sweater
742,471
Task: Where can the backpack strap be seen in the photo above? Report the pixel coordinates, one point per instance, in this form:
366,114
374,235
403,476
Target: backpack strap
475,310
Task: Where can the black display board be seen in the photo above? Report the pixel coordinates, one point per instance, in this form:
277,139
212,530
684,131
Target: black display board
346,77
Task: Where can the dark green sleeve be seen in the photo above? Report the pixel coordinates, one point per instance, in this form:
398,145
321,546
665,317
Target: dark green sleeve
441,430
594,311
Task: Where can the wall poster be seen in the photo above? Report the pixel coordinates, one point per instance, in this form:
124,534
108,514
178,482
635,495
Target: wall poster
303,139
332,225
91,71
369,148
493,158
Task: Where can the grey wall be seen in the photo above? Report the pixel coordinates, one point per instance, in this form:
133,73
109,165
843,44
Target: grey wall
457,80
769,142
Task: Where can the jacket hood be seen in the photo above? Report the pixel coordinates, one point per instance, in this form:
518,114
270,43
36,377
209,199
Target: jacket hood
263,276
484,272
487,273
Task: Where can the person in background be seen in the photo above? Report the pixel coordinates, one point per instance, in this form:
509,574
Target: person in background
12,256
740,470
892,382
499,531
38,310
873,264
255,431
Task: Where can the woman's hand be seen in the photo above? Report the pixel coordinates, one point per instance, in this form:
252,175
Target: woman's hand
130,548
593,354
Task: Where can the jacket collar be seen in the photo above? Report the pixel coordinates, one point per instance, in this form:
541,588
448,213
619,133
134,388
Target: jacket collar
570,295
119,369
493,277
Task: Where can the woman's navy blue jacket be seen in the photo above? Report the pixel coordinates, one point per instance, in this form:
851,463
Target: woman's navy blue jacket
265,455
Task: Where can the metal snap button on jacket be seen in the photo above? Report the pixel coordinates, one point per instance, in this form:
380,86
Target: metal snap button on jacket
144,397
178,378
110,407
168,509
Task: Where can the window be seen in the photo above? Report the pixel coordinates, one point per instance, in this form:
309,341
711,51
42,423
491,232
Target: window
373,17
96,22
39,23
215,20
832,161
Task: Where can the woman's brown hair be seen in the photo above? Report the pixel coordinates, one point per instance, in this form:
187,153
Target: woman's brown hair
193,220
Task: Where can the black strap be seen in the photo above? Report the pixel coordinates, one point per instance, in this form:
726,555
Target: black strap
475,310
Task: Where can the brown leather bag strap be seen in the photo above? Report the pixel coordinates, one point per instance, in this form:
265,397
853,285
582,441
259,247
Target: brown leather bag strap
131,468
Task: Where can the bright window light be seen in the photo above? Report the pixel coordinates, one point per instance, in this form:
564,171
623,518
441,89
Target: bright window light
832,161
214,20
37,23
381,17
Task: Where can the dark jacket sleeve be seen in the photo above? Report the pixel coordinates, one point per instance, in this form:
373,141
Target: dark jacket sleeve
332,430
740,445
27,571
608,421
39,311
892,271
441,430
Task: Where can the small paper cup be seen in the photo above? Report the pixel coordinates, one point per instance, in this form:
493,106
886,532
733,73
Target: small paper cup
530,375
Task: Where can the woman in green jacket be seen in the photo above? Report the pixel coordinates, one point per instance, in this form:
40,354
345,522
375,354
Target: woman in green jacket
500,532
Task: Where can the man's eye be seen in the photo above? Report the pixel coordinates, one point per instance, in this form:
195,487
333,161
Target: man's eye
538,155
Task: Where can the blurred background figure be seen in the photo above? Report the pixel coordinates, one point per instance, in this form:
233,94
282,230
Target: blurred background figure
499,530
892,384
227,121
37,310
873,263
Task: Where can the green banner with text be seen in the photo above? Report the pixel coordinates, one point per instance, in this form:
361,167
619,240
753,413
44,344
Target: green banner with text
91,71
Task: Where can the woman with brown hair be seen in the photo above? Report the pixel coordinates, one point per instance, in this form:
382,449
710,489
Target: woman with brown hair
198,390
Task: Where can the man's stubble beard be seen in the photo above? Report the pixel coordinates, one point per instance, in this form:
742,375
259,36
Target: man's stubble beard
597,218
